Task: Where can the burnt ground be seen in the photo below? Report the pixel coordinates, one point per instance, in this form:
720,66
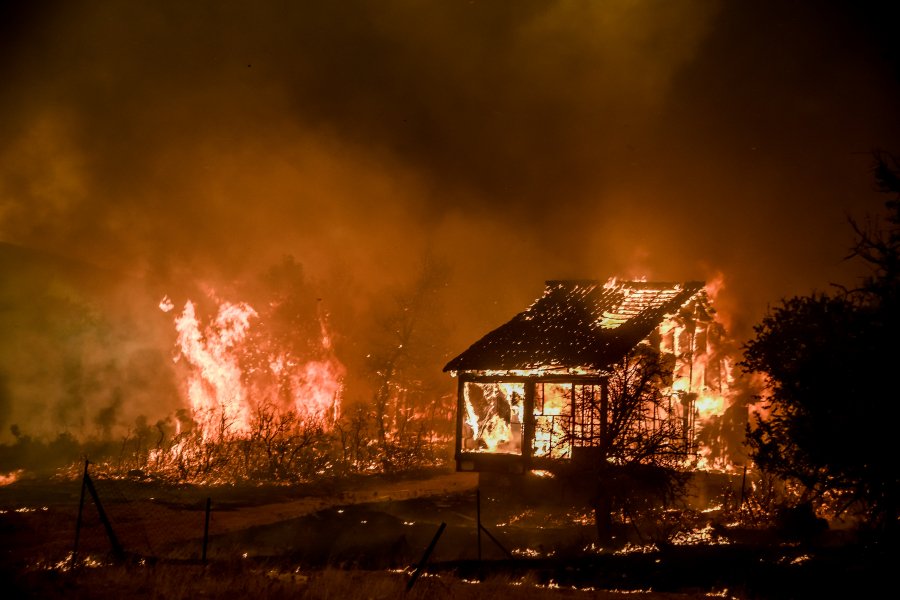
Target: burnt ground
366,534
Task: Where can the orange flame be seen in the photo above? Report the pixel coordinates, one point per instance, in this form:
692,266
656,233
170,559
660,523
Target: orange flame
215,390
220,394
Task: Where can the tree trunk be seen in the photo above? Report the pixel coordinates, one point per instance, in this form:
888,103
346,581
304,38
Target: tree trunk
603,516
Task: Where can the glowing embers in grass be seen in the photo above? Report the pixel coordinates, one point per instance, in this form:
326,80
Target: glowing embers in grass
71,562
543,474
494,417
234,369
706,535
532,553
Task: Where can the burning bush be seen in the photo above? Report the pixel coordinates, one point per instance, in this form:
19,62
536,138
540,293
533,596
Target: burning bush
265,393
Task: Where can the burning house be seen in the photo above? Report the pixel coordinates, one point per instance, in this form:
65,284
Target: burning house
571,378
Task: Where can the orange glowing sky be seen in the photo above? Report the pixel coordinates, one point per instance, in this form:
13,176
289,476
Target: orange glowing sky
517,142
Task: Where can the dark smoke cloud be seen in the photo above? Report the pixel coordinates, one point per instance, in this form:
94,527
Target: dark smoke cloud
201,141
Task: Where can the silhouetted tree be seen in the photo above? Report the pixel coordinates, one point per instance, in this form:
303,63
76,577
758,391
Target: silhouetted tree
635,399
402,366
831,418
641,446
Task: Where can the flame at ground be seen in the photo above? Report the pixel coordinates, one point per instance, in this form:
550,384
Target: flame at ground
232,375
9,478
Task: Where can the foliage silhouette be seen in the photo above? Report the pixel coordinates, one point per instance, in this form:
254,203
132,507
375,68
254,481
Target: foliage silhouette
831,417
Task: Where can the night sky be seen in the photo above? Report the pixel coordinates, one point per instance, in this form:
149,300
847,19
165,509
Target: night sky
515,141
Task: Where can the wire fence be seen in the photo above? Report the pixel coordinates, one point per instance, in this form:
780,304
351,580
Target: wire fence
127,517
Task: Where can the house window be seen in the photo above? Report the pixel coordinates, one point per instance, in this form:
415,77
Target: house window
493,417
588,416
565,415
553,420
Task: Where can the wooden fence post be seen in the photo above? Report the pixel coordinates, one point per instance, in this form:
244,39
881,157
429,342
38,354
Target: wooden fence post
206,528
80,513
428,551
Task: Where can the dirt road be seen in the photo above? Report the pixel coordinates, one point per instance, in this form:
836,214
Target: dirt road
267,514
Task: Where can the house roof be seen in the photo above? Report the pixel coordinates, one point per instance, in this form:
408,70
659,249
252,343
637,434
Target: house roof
577,324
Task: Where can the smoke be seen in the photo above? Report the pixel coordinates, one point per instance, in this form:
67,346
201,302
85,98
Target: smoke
184,144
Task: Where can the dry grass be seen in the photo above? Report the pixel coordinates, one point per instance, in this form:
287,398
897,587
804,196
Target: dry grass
237,580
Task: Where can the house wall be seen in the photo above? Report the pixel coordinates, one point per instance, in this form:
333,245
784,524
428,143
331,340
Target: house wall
534,420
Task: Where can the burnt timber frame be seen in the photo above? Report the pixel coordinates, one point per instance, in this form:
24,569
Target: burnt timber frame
525,461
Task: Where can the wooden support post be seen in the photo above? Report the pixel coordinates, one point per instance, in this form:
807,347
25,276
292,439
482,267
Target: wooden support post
573,439
528,425
206,528
80,513
603,502
428,551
